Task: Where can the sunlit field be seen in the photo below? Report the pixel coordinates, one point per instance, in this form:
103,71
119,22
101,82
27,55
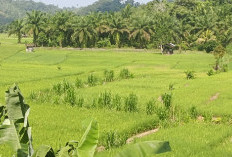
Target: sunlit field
54,121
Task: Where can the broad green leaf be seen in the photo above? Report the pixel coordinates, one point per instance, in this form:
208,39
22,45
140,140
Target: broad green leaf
16,108
64,152
44,151
89,141
9,135
145,149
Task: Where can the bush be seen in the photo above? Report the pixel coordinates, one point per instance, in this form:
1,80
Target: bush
125,74
225,68
117,102
79,83
131,103
92,80
190,74
57,88
109,75
103,43
150,109
167,100
210,46
210,72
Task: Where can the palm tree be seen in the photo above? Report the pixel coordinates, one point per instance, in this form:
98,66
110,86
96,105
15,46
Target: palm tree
16,27
142,29
116,27
84,32
34,22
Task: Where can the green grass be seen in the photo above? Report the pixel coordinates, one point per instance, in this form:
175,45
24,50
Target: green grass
55,124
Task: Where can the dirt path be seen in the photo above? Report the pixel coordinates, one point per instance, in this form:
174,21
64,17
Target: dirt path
215,97
131,139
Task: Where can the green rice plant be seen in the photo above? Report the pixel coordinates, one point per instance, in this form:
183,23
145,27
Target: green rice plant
171,87
117,102
94,103
80,102
92,80
125,74
131,103
58,88
111,139
79,83
109,75
167,100
70,97
162,113
193,112
32,95
190,74
150,108
210,72
66,85
105,100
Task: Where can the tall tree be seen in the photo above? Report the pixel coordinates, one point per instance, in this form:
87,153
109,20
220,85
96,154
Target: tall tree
35,22
16,28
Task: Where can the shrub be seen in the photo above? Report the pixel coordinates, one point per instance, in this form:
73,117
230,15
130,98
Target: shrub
109,75
104,100
125,74
117,102
225,68
70,97
150,109
167,100
190,74
210,72
79,83
210,46
92,80
131,103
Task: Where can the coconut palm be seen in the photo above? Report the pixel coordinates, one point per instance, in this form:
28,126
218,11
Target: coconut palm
142,29
116,27
34,21
16,27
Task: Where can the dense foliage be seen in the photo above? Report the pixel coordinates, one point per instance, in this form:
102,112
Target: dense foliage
189,24
13,9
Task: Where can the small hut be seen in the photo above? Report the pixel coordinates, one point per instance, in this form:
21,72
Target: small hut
167,48
30,47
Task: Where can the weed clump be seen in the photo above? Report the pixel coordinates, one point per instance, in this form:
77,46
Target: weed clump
125,74
190,74
109,75
193,112
131,103
210,72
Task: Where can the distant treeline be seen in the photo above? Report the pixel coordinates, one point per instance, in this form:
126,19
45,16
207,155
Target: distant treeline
187,23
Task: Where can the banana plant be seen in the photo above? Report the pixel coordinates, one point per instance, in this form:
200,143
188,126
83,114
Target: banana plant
16,132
